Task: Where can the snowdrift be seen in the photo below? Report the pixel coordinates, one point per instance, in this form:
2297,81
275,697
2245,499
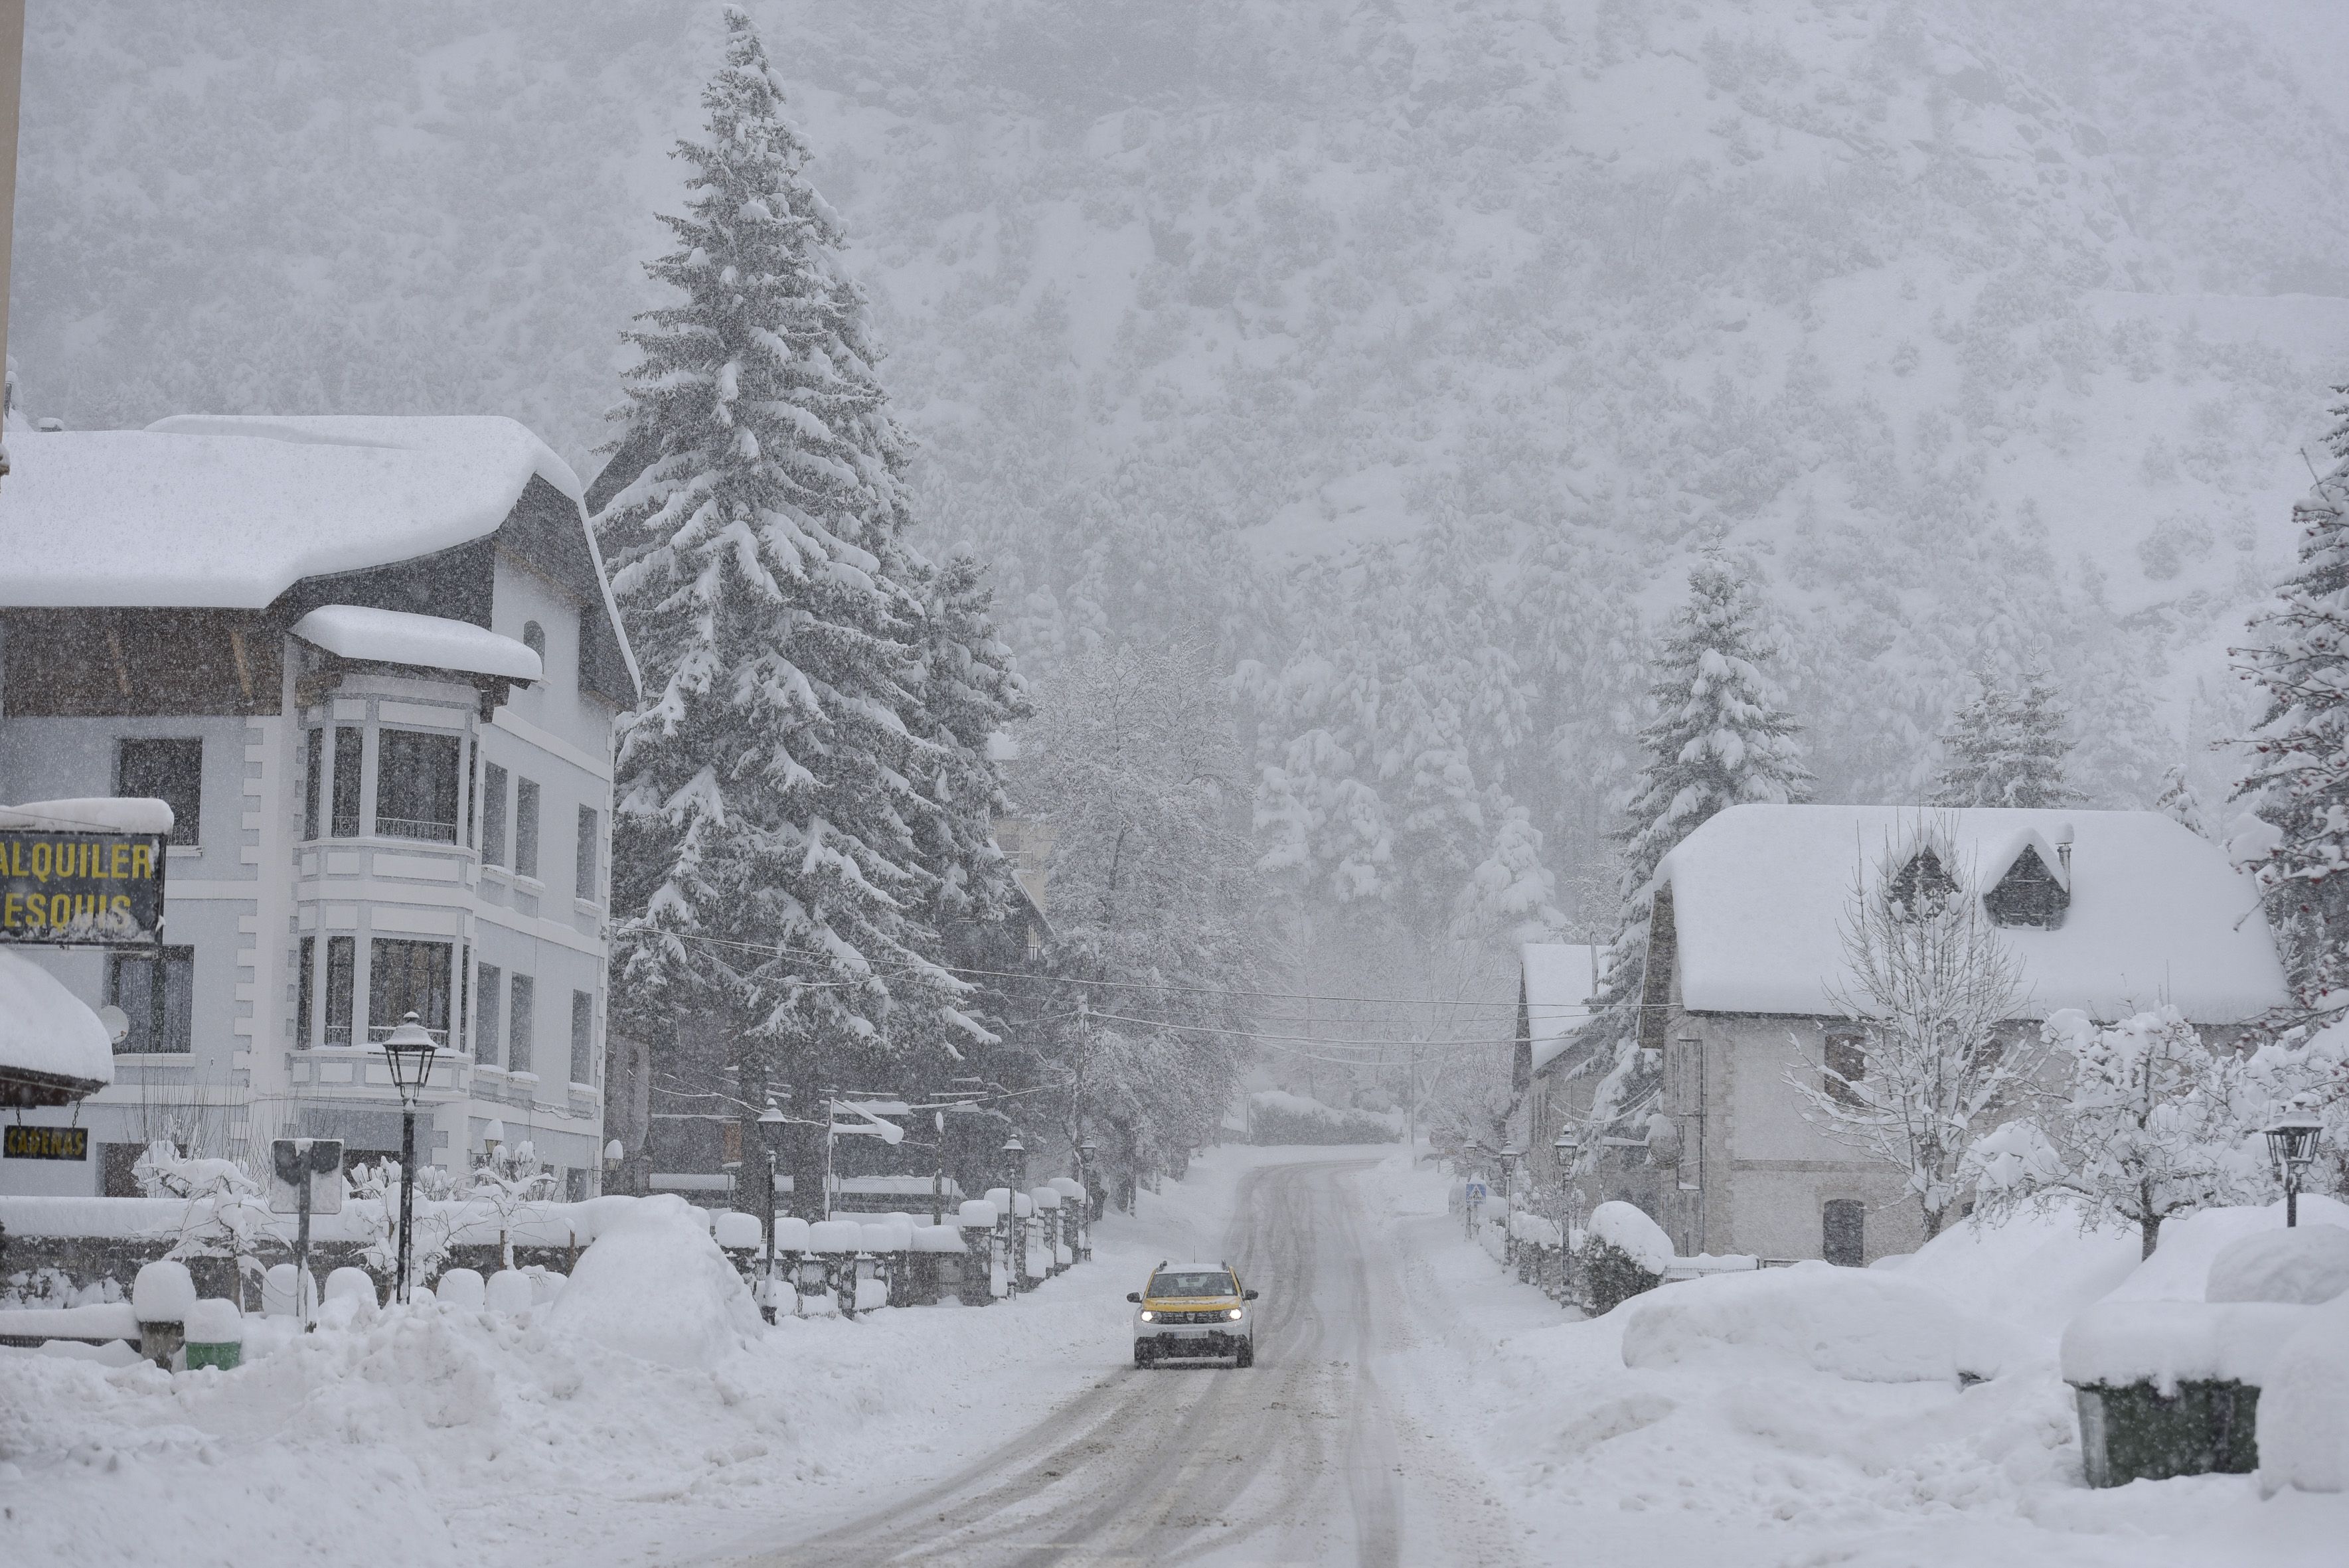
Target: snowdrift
654,1286
1850,1324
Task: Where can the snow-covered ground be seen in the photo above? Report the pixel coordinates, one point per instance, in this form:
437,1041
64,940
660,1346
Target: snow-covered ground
1748,1441
435,1436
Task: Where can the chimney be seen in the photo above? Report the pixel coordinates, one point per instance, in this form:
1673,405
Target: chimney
2064,848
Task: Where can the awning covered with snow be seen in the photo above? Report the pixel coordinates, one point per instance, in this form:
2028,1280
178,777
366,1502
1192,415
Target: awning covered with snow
94,814
53,1048
2153,914
430,641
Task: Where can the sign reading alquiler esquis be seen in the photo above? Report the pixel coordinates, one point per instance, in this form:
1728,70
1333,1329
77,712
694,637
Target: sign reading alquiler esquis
80,890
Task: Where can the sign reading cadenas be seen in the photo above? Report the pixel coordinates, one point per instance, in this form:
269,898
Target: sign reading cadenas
80,890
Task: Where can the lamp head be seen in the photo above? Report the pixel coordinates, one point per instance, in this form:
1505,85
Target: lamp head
770,1127
409,1050
1568,1141
2292,1141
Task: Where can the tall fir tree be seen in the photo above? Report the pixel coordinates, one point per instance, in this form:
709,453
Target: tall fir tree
2298,778
2007,748
787,806
1717,737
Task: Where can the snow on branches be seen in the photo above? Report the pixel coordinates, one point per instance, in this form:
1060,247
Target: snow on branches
2007,749
1929,1057
2149,1122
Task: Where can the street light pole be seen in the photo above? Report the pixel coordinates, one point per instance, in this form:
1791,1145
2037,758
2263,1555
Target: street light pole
1015,1171
407,1050
1086,1149
772,1130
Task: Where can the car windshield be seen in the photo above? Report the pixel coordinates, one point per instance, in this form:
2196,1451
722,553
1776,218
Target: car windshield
1193,1282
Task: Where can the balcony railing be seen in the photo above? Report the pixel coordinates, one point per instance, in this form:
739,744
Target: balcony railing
379,1033
415,828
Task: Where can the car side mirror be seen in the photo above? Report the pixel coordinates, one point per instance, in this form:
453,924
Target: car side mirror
1247,1296
1133,1295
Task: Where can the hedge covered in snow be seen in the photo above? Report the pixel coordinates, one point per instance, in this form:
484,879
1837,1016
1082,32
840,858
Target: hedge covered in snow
1274,1117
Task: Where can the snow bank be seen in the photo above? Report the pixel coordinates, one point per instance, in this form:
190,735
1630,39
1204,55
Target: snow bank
1631,1231
654,1286
2308,1265
2179,1269
2166,1342
431,642
1846,1323
2032,1270
46,1028
2303,1423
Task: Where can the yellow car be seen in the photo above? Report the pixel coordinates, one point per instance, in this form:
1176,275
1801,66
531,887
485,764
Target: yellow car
1193,1311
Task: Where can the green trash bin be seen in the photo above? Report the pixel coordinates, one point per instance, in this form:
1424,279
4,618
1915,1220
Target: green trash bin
215,1336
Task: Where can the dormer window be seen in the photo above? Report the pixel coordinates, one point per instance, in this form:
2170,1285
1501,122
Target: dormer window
2031,893
533,637
1923,886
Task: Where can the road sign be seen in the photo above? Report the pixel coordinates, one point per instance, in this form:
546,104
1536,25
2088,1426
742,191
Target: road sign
314,1163
1478,1191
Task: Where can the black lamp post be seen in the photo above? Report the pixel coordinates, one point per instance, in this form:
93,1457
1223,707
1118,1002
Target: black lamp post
1086,1150
409,1050
1015,1171
2292,1144
771,1125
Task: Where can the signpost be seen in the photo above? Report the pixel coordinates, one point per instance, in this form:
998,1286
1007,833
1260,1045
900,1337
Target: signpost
23,1142
1475,1192
306,1177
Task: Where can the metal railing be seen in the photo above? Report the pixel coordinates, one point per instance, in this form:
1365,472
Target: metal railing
416,828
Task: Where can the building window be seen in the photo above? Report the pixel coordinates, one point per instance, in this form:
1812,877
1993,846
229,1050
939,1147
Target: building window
493,815
583,1037
520,1021
533,637
306,992
416,783
164,1025
342,988
488,1015
525,828
314,781
171,771
590,837
1922,887
1843,1232
349,741
1846,1066
406,977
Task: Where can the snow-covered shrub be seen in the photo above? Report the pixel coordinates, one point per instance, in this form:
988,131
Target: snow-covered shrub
2304,1406
654,1286
2307,1265
463,1289
1623,1254
509,1291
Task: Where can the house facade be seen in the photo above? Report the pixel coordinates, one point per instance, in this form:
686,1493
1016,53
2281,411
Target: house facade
1748,988
373,667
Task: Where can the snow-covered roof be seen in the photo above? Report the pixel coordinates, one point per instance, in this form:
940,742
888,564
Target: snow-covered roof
99,814
218,511
1761,895
396,637
1559,977
47,1031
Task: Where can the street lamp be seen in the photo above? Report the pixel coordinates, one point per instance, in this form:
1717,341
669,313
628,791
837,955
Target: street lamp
409,1051
1086,1150
1014,1172
772,1126
2292,1144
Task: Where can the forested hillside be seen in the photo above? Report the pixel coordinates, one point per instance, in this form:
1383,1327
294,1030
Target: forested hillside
1404,355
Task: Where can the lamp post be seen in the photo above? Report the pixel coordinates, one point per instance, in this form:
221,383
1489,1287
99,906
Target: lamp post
1086,1150
771,1126
409,1050
2292,1144
1015,1171
1510,1155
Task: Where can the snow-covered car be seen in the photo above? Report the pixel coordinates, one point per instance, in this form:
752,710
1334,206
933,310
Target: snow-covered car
1193,1311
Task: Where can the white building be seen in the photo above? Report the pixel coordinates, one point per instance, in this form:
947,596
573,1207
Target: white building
373,667
2108,912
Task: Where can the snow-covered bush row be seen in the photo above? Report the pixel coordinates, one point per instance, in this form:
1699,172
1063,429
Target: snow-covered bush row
1846,1323
1278,1117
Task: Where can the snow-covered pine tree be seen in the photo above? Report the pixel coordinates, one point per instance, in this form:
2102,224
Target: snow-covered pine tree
2007,749
1717,738
2180,803
2298,780
773,835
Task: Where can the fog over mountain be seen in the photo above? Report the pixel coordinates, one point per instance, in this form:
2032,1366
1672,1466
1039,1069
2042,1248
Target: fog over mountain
1340,337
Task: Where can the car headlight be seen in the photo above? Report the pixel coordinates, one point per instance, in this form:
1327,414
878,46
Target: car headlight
1148,1315
1234,1314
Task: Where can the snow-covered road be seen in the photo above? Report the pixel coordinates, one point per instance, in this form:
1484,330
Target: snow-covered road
1311,1456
